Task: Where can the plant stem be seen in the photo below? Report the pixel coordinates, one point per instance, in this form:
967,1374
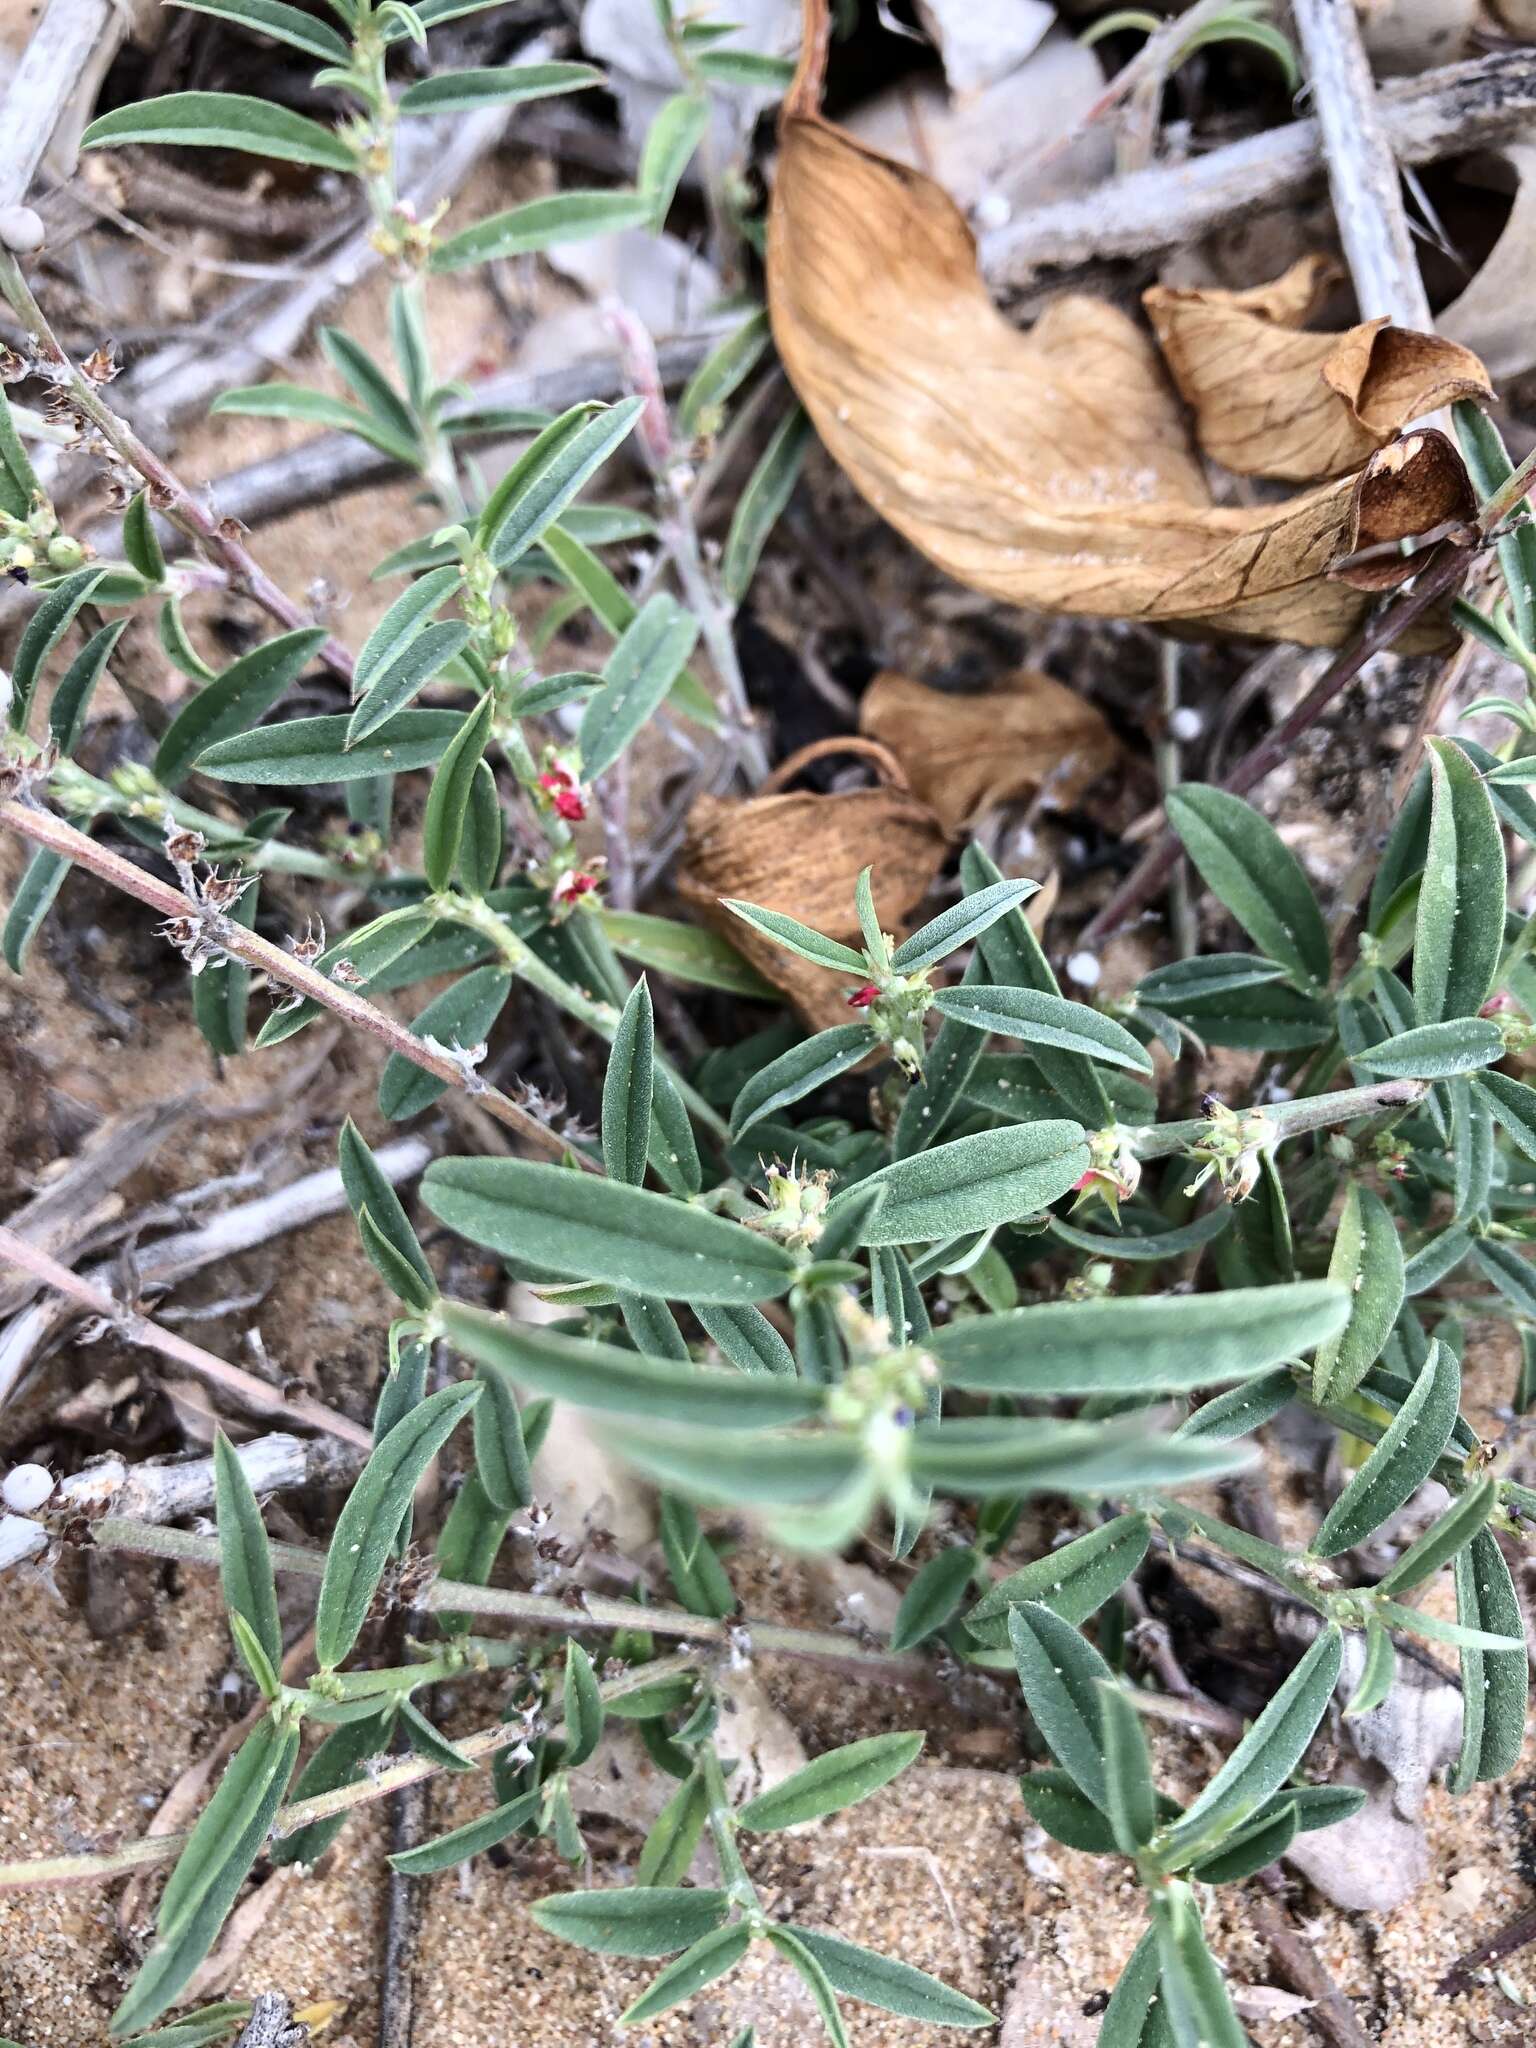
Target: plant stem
1291,1119
43,829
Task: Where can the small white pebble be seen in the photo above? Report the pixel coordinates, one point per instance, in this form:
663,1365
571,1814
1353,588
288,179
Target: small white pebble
1186,723
25,1488
1083,968
21,230
993,211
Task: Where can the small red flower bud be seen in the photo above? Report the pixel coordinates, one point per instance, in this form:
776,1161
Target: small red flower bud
863,997
573,885
570,806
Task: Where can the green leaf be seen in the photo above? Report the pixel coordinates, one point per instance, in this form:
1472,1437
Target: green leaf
1193,1988
701,407
702,1964
428,653
1131,1242
1039,1019
461,1016
245,1556
669,1848
698,1577
44,630
874,1979
973,1183
501,1453
979,1456
602,1376
580,569
540,224
305,750
1378,1673
223,120
282,23
210,1870
806,1967
1241,1411
583,1707
365,1528
595,1230
550,471
766,493
1432,1261
1489,466
429,1742
1061,1675
1054,1801
198,2029
934,1596
406,617
1514,1105
785,1469
1401,1461
40,883
751,68
500,85
745,1337
1166,1343
1459,931
1493,1682
795,937
800,1071
1213,974
461,1843
1265,1758
175,645
1073,1581
1134,2016
684,952
1131,1798
641,1920
1434,1630
965,921
841,1777
448,800
72,699
1244,861
628,1090
637,677
19,487
676,130
141,544
1512,1275
1435,1052
1367,1264
235,701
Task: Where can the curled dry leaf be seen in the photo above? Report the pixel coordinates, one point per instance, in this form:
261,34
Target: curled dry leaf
801,853
1051,469
1272,400
965,754
1496,314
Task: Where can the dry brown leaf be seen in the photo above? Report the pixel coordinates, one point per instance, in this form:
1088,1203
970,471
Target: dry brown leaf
1051,469
801,854
963,754
1270,400
1496,313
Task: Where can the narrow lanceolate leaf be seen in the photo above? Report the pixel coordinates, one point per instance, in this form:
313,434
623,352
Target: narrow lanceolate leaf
549,473
211,1869
1133,2017
874,1979
44,630
1435,1052
700,410
141,544
1264,1840
696,1967
444,1852
283,23
1493,1682
801,1071
629,1089
1244,861
366,1526
1199,2008
595,1230
1073,1581
796,937
1035,1018
650,655
1267,1754
643,1920
245,1556
426,655
686,952
1514,1277
814,1977
791,1468
540,224
767,492
72,699
595,1375
448,803
1367,1264
1430,1264
1242,1411
460,1017
367,1188
948,1065
839,1778
982,1457
669,1849
410,613
1162,1343
976,1182
1061,1674
223,120
744,1336
1378,1672
304,750
429,1742
934,1596
1129,1791
1053,1801
236,701
1514,1106
966,920
500,85
675,132
41,880
1459,929
501,1450
1401,1461
583,1725
1444,1539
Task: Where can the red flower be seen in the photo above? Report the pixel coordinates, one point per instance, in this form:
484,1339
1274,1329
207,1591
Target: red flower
558,784
570,806
573,885
863,997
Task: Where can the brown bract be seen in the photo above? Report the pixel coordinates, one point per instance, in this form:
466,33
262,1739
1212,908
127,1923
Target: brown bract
1271,400
1052,469
964,754
801,854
